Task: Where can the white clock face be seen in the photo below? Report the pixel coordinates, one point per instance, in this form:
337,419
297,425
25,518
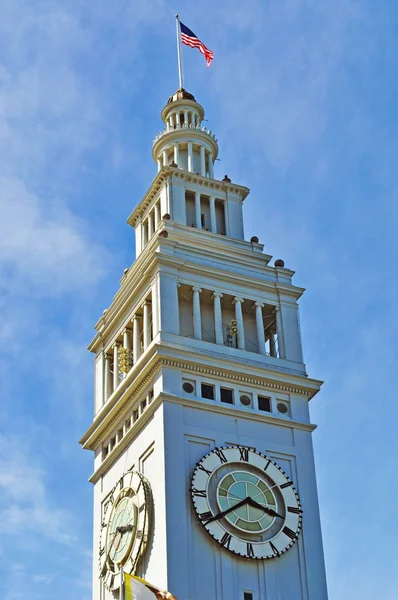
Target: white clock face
246,502
125,527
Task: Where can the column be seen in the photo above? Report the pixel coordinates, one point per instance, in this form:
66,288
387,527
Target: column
157,215
213,219
107,379
279,332
176,154
186,118
218,317
260,327
172,121
115,365
202,162
272,345
197,322
150,226
193,119
198,212
146,325
127,339
178,119
136,338
211,168
144,234
159,164
165,163
239,318
190,157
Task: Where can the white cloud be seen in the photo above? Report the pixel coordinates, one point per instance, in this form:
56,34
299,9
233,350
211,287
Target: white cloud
25,505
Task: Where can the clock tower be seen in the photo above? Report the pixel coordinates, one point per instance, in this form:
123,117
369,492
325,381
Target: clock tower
204,479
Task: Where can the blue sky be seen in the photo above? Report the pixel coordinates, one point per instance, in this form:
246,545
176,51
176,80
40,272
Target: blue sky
302,95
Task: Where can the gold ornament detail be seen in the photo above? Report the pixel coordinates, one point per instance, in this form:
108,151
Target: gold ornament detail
125,359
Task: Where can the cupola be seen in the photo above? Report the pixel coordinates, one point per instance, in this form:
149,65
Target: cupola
184,141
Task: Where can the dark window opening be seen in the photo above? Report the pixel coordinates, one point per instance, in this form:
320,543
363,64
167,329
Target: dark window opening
227,396
203,221
247,596
188,387
264,403
207,391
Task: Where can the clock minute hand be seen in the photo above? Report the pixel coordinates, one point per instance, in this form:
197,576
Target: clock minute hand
225,512
269,511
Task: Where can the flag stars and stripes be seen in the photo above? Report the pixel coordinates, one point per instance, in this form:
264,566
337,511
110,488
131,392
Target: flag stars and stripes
190,39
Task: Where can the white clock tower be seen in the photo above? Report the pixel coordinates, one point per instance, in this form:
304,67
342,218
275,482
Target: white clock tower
204,479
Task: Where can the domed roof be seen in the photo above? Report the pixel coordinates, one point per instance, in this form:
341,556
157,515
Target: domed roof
181,94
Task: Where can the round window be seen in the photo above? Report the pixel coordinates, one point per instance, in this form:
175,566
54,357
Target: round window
245,400
188,387
282,408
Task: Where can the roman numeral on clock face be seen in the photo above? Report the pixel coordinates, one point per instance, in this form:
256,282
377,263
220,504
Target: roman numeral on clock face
226,540
293,509
244,454
205,516
202,468
199,493
221,455
275,550
249,550
289,533
285,485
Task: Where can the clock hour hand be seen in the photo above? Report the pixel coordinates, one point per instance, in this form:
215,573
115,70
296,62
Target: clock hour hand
266,509
124,528
225,512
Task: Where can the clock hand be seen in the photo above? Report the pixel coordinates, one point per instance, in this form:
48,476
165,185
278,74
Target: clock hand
225,512
266,509
124,528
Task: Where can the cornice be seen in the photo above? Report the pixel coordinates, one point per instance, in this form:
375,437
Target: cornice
166,172
197,404
227,373
128,392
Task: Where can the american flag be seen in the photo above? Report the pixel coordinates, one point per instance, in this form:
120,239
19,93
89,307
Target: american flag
189,39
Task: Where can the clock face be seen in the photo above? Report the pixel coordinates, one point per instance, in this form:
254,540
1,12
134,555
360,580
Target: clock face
246,502
125,527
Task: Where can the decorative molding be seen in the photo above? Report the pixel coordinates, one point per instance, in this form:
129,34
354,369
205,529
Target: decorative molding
162,177
198,404
224,373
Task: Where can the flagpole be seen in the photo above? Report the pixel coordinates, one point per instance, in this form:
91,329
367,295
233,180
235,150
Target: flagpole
179,50
122,595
